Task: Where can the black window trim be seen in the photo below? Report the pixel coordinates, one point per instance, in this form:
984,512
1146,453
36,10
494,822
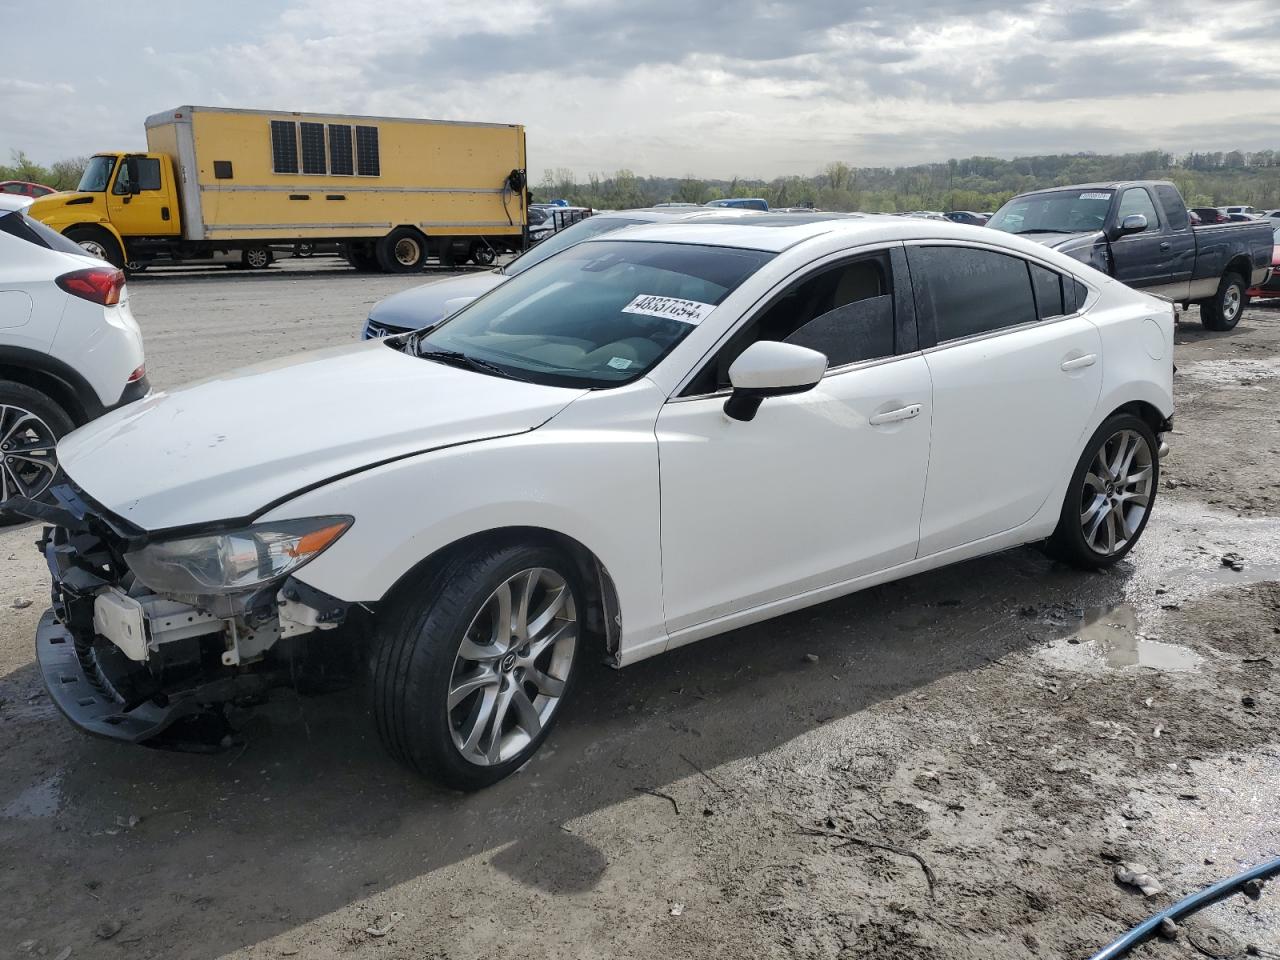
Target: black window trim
903,308
929,337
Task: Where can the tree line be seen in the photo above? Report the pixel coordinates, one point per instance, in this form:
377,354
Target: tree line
975,183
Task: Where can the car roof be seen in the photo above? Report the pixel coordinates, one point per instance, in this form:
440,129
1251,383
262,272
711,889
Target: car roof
775,232
14,201
665,214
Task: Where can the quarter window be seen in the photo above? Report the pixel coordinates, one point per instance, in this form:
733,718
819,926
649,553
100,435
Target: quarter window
845,312
963,291
1137,200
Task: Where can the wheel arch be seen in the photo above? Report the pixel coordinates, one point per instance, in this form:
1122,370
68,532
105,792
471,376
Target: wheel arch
1147,412
1242,265
51,377
604,617
102,225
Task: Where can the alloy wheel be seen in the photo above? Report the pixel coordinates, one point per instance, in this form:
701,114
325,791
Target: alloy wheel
1117,492
28,461
257,257
511,668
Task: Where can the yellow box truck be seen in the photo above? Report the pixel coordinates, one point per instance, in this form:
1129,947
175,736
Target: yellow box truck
219,184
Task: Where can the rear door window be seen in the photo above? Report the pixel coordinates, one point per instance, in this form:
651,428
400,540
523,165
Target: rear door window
1175,211
964,291
1050,301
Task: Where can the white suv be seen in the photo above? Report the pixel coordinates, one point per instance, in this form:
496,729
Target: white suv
70,349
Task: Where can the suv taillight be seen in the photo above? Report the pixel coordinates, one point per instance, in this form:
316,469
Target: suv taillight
98,284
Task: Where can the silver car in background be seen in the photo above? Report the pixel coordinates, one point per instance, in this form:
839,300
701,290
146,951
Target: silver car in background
422,306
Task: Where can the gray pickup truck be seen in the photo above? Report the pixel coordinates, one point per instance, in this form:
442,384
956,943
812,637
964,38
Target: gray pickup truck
1139,232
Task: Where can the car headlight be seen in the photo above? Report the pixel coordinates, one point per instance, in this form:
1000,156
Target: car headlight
235,561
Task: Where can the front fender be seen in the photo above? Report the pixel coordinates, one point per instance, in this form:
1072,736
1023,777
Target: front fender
595,484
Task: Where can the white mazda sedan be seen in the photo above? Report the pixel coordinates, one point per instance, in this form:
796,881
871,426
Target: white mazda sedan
652,437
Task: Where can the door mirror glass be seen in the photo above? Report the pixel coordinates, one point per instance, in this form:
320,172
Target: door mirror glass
1134,223
771,369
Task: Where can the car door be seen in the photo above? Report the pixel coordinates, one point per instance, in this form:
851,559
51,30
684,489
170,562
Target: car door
1016,371
1141,259
1179,243
819,488
149,211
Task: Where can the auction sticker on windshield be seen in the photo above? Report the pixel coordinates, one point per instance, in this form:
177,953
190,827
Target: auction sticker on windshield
686,311
1095,196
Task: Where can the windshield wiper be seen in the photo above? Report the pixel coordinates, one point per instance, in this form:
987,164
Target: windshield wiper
457,359
1044,230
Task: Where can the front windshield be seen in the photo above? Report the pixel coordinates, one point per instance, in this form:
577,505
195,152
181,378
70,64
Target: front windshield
1062,211
582,230
97,174
598,315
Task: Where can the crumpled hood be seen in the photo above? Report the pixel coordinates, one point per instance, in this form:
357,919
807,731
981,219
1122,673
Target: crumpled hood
226,447
417,307
1067,243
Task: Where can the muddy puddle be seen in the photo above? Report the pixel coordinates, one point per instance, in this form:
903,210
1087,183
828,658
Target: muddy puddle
1110,637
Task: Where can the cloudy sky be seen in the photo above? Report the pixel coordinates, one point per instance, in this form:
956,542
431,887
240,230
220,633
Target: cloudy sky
674,87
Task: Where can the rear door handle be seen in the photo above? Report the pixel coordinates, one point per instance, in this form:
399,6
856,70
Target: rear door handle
1079,363
1166,245
895,416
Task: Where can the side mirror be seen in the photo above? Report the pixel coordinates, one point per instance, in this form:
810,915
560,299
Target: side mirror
131,166
771,369
1133,223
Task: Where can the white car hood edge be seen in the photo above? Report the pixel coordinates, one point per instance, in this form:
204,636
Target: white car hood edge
233,446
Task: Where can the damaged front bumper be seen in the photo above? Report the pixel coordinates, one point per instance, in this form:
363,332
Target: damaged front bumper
126,664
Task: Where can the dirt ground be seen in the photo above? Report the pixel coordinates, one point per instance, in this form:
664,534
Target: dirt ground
955,775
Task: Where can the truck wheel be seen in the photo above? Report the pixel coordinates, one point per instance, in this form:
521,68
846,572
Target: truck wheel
361,256
403,250
1222,311
470,674
483,254
257,257
97,243
31,424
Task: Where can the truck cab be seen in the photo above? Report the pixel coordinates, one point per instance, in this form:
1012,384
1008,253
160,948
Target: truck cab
121,197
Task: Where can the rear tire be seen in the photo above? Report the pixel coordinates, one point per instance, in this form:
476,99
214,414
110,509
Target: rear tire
482,254
403,250
31,424
98,243
361,256
1110,496
1223,310
468,681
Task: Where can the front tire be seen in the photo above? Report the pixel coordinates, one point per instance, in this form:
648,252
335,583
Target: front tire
1223,310
471,673
31,424
1110,496
482,254
98,243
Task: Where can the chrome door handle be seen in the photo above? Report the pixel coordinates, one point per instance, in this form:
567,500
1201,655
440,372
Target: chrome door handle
895,416
1166,245
1079,363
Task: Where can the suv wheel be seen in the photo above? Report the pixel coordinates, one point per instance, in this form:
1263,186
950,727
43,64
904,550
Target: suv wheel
30,426
470,675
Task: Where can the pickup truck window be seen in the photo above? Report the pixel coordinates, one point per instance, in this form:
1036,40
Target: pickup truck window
1175,211
97,174
1058,211
1137,200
